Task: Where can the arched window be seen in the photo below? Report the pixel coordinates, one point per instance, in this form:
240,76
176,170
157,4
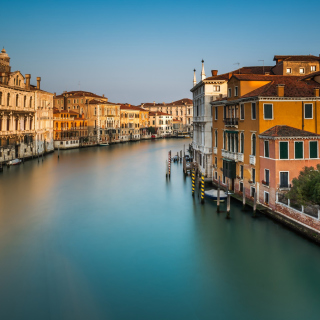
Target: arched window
8,99
24,101
253,145
241,142
30,102
17,100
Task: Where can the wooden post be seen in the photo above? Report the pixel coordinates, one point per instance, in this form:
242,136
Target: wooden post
243,198
166,168
228,201
193,180
180,156
169,164
254,204
184,150
202,188
58,151
218,197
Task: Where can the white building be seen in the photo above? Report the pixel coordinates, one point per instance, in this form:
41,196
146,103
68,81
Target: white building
207,90
162,122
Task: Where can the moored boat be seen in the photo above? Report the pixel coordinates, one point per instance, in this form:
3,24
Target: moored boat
14,162
103,144
213,194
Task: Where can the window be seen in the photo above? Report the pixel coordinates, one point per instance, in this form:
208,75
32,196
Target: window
0,98
216,161
235,91
216,88
224,112
284,150
266,149
253,111
313,149
216,113
8,99
266,197
253,145
313,68
216,139
298,150
284,179
68,101
17,100
301,70
241,186
266,176
253,175
229,92
241,111
216,175
252,191
224,179
308,111
268,111
241,142
288,70
241,172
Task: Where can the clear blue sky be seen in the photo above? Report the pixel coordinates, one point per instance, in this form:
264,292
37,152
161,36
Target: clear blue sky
144,51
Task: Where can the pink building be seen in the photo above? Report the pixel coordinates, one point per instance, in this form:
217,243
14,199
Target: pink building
284,152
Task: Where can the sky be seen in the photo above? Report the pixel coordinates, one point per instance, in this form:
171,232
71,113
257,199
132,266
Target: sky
145,51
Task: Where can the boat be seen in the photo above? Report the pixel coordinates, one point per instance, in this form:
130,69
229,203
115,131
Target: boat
103,144
14,162
213,194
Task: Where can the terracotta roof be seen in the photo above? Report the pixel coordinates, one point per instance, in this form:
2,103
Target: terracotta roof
293,87
286,131
94,101
79,94
129,107
311,75
296,58
163,104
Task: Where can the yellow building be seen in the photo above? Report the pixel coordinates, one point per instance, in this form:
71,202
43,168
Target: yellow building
256,103
130,122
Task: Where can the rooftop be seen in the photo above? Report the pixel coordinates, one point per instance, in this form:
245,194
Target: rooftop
282,131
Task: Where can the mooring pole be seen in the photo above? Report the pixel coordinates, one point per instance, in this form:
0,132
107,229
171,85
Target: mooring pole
184,150
58,151
228,201
202,188
169,164
218,197
243,199
193,179
254,204
180,156
166,168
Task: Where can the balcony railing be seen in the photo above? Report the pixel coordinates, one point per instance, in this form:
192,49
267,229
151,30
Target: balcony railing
240,157
215,150
232,155
252,160
231,121
265,183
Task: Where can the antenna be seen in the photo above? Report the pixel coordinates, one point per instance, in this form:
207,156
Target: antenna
262,65
238,63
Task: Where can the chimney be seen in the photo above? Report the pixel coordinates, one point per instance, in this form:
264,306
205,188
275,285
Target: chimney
280,90
54,95
214,72
38,83
28,76
103,96
316,92
154,103
229,75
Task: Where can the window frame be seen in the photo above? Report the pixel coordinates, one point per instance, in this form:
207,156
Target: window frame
253,175
289,70
280,179
265,176
280,142
301,69
313,68
264,197
298,141
242,108
229,92
308,104
264,116
216,113
236,91
255,111
241,171
264,147
317,149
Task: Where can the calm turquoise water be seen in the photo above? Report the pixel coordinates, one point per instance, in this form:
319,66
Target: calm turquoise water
101,234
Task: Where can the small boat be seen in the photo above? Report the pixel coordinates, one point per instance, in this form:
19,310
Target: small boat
213,194
103,144
14,162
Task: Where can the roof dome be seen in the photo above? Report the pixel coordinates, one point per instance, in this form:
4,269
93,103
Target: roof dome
3,54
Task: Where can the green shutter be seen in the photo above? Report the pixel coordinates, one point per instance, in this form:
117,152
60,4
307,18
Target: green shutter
266,149
308,111
284,154
268,111
313,149
298,150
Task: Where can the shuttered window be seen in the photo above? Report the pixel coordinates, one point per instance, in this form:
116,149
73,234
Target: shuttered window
241,112
298,150
268,114
253,111
313,145
284,179
266,149
284,152
308,111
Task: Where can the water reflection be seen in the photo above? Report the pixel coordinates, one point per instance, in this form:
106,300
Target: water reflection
102,234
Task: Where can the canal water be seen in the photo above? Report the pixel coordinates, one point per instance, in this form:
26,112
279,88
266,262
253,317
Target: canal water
101,234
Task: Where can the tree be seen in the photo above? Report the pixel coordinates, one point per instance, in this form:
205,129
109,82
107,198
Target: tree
306,188
152,130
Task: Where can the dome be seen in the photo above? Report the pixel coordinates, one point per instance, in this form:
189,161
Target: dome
3,54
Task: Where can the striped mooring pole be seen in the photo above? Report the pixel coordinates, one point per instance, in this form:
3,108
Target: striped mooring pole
202,188
169,163
218,197
193,181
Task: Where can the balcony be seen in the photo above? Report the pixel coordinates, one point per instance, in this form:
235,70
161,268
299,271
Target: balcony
252,160
215,150
240,157
232,155
265,183
231,122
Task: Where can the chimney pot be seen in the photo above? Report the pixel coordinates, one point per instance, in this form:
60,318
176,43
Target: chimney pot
280,90
28,76
38,82
316,92
214,72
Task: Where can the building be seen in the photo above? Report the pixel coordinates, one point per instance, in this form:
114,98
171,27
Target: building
162,122
256,103
25,114
144,124
70,130
181,109
130,123
103,121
